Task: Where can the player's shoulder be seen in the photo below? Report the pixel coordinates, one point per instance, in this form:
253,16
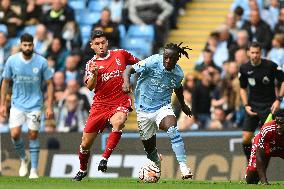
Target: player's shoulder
246,66
40,58
15,56
269,63
119,51
155,58
269,127
179,71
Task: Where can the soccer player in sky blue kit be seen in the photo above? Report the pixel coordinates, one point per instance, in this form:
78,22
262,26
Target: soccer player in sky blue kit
27,70
159,77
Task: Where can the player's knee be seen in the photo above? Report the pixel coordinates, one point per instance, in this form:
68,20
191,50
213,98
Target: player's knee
247,138
15,135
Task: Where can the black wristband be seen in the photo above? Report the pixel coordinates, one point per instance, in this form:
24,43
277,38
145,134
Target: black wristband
279,98
246,105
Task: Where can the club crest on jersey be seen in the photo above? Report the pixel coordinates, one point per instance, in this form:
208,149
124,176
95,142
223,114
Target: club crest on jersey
265,80
35,70
117,60
251,81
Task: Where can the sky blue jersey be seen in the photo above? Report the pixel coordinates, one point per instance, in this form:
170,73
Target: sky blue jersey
155,84
27,77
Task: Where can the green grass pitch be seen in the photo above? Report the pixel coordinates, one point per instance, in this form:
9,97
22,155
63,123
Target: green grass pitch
124,183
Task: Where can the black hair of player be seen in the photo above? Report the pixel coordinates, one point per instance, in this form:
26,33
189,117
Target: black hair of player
279,116
27,38
254,45
98,34
180,50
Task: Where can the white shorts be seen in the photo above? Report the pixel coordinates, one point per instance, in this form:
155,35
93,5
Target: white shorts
148,123
19,117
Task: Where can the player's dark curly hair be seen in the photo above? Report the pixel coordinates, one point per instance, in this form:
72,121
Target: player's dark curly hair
180,50
279,113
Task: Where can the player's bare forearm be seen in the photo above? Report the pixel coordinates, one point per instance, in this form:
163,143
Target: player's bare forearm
92,82
126,78
179,94
184,107
281,92
50,93
4,91
261,164
243,94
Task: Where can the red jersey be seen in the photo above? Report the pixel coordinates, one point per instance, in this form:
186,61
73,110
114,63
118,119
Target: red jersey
271,141
108,90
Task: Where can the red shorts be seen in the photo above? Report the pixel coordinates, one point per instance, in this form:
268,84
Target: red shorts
98,117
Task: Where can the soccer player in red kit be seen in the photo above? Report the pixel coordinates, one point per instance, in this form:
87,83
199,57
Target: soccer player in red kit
269,142
104,75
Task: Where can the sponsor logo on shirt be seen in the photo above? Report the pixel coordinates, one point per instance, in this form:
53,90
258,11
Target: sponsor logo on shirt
107,76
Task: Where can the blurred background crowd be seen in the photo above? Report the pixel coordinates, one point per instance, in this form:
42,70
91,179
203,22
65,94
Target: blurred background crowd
62,28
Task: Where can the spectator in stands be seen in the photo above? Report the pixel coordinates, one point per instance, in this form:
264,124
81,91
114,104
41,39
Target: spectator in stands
247,6
241,56
221,53
279,28
271,14
185,122
71,34
74,87
231,23
71,69
42,40
10,18
57,17
218,121
109,27
238,12
258,30
71,117
116,7
32,13
59,85
58,51
276,54
154,12
4,52
201,100
207,61
241,42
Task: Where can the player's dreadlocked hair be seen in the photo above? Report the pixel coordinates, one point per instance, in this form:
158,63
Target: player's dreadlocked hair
180,50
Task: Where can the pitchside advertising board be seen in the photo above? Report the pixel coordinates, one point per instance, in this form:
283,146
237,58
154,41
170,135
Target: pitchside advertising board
211,155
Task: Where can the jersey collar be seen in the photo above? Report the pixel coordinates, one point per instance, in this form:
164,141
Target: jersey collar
104,58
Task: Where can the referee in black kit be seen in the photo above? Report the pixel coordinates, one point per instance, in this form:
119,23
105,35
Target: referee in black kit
258,92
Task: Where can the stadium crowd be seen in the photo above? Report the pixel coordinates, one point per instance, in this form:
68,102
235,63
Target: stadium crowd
62,28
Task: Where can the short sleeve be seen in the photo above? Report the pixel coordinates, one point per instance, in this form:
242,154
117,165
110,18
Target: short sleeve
47,72
7,73
243,78
264,140
277,70
144,65
129,58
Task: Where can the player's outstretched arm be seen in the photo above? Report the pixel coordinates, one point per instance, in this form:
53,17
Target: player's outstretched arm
261,164
126,87
4,91
50,95
184,107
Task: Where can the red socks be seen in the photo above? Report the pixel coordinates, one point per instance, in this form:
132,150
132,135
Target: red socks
83,157
112,141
